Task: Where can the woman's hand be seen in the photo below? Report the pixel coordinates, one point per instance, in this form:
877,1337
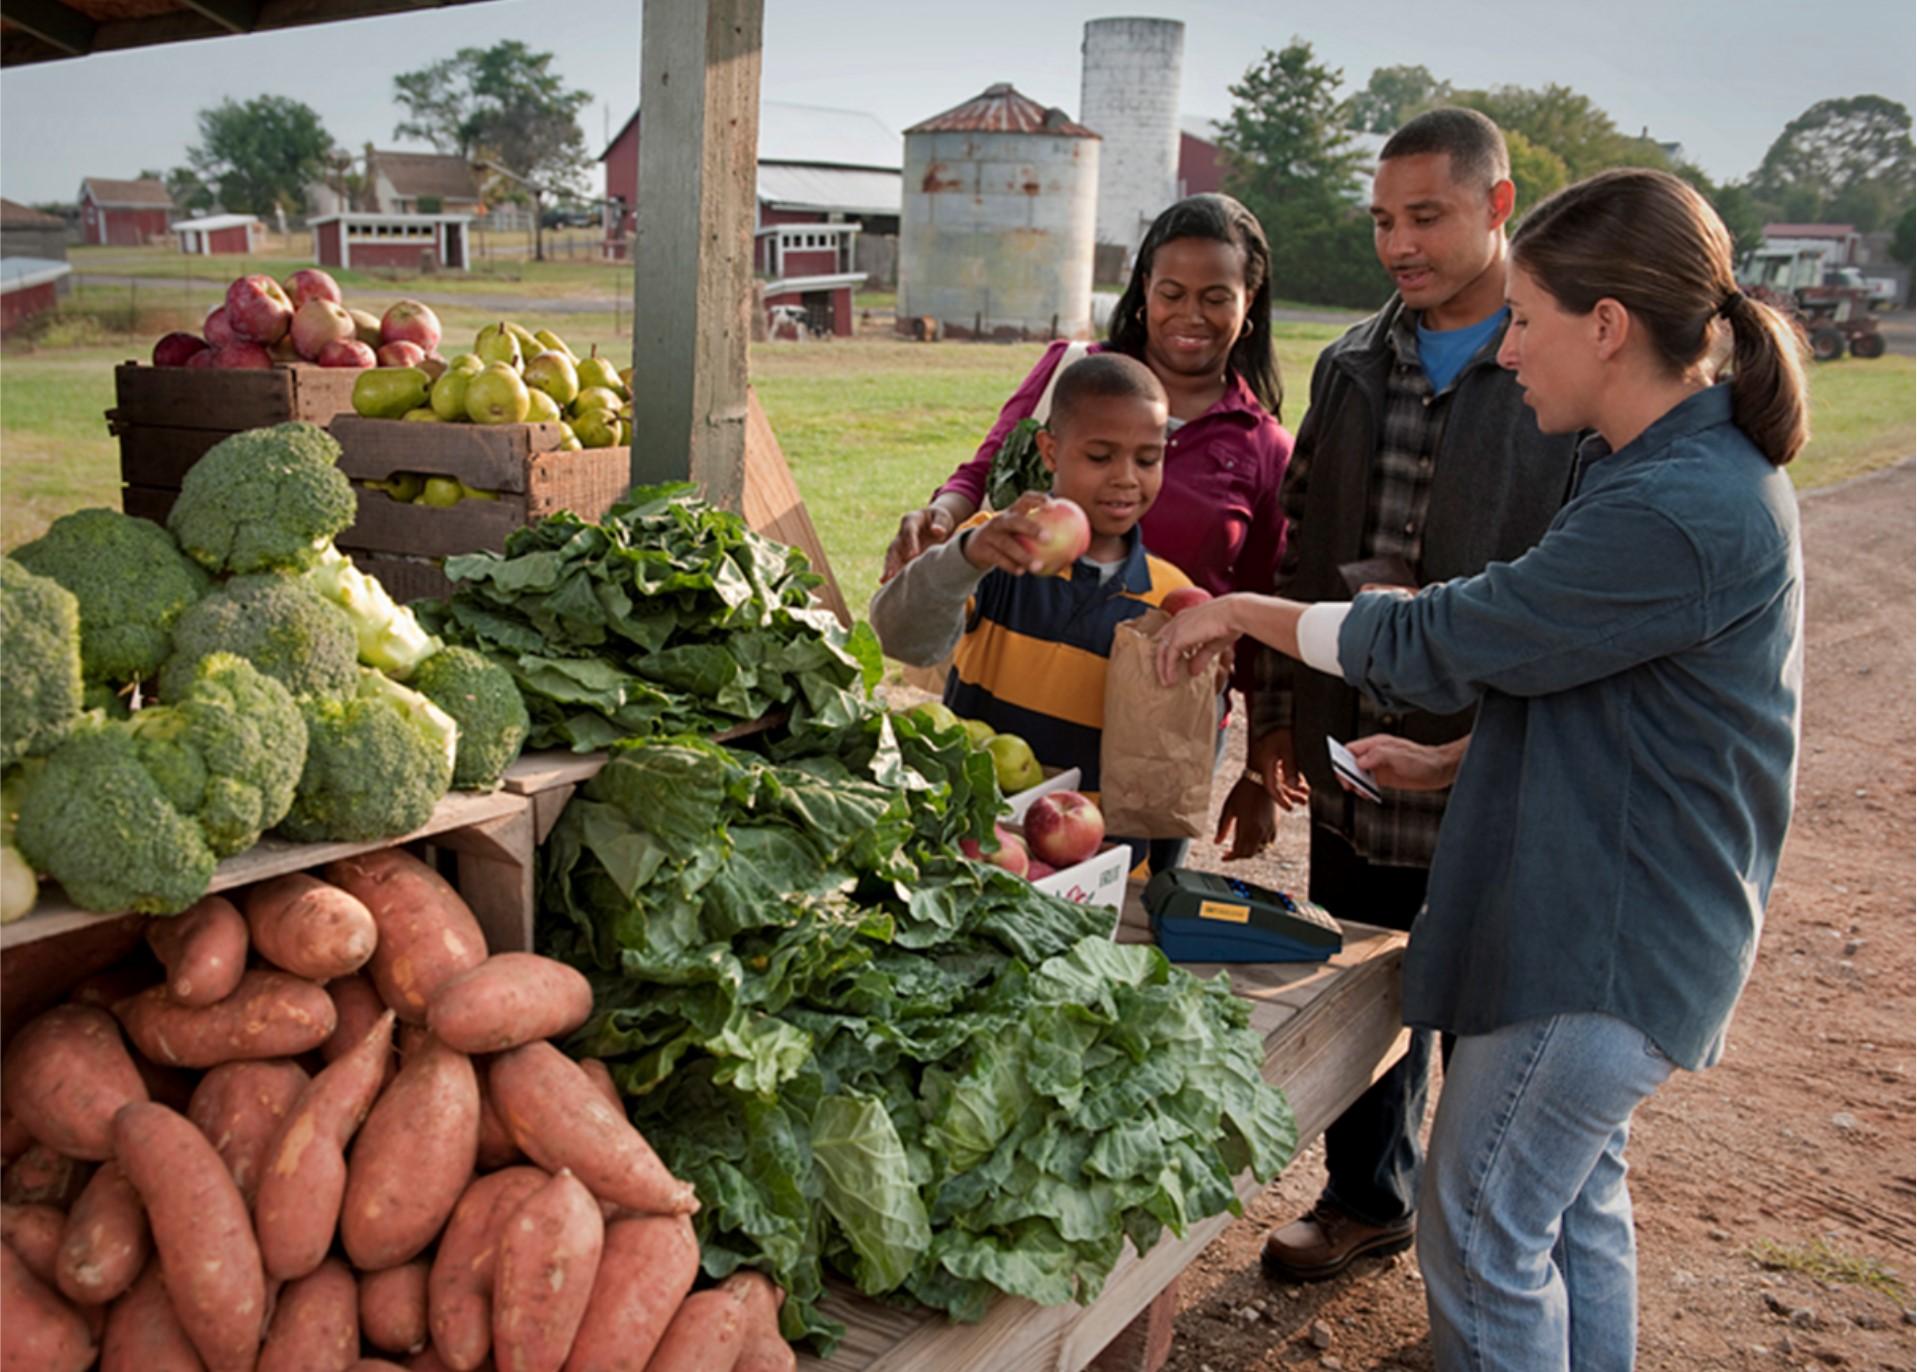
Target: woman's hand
1194,637
1401,765
918,531
1004,542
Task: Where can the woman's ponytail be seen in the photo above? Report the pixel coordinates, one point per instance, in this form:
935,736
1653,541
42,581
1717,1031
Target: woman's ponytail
1768,389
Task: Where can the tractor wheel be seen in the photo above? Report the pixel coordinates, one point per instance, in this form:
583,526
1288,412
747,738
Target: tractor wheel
1867,345
1827,345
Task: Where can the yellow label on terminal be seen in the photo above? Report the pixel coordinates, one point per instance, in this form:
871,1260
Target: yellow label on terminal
1231,914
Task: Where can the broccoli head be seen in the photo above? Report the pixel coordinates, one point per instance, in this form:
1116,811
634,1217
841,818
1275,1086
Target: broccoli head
41,691
99,823
228,752
390,638
265,500
132,584
483,700
280,624
376,764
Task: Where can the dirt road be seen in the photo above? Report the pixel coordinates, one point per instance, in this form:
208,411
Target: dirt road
1774,1193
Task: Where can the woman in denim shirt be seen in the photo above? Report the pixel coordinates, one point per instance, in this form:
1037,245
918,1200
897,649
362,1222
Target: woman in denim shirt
1602,869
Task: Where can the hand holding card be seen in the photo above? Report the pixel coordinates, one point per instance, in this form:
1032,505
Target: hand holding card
1351,776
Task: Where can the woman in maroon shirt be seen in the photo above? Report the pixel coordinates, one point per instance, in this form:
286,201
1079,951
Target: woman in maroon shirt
1197,311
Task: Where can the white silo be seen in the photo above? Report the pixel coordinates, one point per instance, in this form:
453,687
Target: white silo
1128,94
995,232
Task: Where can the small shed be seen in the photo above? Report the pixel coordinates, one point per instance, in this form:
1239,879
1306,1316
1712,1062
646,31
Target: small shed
28,287
126,214
27,232
416,242
219,233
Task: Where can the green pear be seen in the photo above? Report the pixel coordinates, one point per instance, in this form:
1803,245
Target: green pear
596,398
541,408
978,731
1013,760
597,429
552,371
425,414
389,392
570,442
550,340
468,493
625,380
933,715
449,393
497,395
442,492
528,340
599,371
625,433
467,362
498,343
401,486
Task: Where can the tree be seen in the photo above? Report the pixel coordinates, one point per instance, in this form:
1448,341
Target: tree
1536,171
186,188
506,108
259,156
1846,159
1902,235
1392,96
1567,123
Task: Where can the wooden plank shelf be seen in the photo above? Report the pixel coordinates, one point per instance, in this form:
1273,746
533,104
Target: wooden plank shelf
1329,1030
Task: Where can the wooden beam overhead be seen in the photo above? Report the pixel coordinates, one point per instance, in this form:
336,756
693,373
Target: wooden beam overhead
51,22
235,16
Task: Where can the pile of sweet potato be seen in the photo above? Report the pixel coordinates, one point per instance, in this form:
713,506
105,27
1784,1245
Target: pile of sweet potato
322,1128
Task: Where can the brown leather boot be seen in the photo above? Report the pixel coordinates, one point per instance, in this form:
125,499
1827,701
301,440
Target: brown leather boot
1326,1241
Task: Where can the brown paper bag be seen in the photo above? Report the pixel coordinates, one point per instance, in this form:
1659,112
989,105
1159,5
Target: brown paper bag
1156,756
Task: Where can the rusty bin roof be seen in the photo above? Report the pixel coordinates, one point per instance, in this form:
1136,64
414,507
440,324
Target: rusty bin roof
1001,109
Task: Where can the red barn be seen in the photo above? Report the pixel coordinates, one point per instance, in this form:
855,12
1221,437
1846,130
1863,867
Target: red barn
28,286
218,233
1199,169
127,214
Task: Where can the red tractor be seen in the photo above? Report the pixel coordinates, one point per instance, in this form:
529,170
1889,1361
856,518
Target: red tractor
1831,305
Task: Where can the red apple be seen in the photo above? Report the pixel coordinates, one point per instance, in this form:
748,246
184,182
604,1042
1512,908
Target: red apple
1011,853
203,358
258,309
241,355
401,354
1038,871
310,283
346,352
368,325
217,332
432,363
1183,599
176,349
1064,534
1064,828
410,322
317,323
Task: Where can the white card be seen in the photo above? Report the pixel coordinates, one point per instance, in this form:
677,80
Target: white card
1348,770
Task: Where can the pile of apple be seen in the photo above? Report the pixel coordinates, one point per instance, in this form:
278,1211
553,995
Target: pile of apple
1062,829
303,319
512,376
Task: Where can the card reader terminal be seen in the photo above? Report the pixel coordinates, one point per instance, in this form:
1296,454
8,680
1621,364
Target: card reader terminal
1204,917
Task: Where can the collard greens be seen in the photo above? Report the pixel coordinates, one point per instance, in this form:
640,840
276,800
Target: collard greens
875,1057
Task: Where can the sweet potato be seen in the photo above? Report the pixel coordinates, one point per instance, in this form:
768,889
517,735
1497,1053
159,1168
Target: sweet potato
392,1307
109,986
548,1259
200,1227
269,1015
602,1078
316,1323
509,999
430,1361
15,1137
560,1120
496,1146
304,1179
459,1289
40,1332
34,1233
648,1265
143,1332
427,934
706,1334
412,1159
309,927
172,1087
357,1004
106,1243
203,951
65,1075
239,1107
375,1365
763,1349
41,1176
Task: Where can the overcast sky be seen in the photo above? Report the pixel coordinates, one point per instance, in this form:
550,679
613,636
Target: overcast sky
1722,77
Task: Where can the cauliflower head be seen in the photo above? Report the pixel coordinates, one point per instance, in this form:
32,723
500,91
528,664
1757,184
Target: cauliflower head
484,701
376,764
280,624
228,752
264,500
132,584
41,690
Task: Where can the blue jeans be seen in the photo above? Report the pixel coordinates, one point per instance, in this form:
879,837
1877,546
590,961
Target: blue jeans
1524,1238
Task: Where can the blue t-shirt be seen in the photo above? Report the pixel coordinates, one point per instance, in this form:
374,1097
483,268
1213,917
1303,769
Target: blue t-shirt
1445,351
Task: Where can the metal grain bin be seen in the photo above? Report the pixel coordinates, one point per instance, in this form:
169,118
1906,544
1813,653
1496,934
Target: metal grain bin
1129,93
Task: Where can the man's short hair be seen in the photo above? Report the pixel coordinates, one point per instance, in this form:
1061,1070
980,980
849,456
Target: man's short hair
1103,376
1474,144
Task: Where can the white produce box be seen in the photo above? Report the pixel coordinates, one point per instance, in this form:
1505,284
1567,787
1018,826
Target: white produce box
1100,878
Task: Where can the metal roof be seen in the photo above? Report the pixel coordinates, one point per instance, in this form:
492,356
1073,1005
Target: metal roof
127,195
1809,230
18,273
414,174
850,190
1001,109
216,221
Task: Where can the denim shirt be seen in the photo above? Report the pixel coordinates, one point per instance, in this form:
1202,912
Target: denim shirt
1616,824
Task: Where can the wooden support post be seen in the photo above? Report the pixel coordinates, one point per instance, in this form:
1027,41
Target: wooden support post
692,277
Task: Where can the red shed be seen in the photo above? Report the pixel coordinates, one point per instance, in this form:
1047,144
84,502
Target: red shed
218,233
411,242
126,214
27,288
